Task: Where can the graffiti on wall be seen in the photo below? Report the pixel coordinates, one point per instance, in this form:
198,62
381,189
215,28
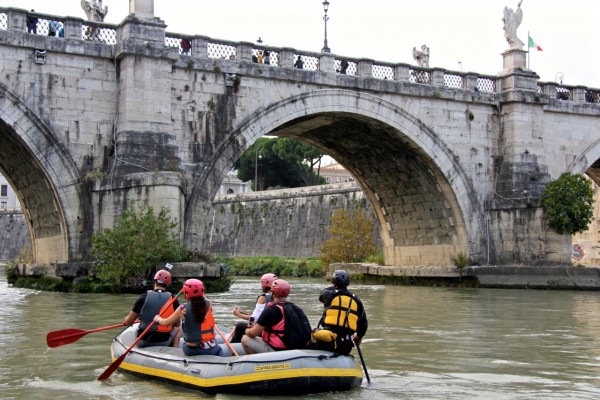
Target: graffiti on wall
578,253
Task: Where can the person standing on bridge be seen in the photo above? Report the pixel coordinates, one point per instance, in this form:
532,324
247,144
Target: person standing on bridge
299,63
32,23
147,306
261,301
343,67
344,319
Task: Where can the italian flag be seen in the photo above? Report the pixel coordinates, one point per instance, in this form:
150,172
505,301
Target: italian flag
534,45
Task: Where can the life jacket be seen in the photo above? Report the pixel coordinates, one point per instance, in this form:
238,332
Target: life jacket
342,312
273,336
195,332
156,304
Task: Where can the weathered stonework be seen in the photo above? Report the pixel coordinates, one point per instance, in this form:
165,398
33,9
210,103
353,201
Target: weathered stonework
14,235
448,169
284,222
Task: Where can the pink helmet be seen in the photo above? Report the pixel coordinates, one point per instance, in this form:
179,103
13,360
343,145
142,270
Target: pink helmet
267,280
163,277
281,288
193,288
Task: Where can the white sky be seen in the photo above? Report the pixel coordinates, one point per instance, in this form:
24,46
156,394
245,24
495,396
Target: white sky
466,31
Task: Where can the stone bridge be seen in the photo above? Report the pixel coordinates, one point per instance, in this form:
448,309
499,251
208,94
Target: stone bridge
451,162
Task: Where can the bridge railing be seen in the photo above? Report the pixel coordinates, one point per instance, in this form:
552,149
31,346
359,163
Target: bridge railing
99,32
579,94
56,26
205,47
3,21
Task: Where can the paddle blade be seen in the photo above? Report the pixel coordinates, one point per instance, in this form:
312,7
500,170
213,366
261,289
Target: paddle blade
66,336
112,367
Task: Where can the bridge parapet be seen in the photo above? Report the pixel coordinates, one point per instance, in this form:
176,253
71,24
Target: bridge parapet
203,47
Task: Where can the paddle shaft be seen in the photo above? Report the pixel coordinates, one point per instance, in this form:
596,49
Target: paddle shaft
362,360
66,336
226,341
231,334
115,364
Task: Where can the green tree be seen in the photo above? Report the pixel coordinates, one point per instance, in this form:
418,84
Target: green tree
127,254
351,238
304,156
569,203
262,161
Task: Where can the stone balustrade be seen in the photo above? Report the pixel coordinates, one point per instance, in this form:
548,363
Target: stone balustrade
203,47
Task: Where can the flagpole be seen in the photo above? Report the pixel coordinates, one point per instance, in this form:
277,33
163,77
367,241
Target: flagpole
528,51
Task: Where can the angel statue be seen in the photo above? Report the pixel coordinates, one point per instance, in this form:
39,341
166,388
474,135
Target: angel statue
421,56
95,13
94,10
512,20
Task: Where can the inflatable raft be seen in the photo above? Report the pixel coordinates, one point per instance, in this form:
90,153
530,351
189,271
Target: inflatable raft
282,372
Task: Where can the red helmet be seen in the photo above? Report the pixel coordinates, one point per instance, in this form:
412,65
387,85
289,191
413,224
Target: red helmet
281,288
193,288
163,277
267,280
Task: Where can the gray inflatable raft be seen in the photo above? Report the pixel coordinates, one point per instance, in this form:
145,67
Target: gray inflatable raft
282,372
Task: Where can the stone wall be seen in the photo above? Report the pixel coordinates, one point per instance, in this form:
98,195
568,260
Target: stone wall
14,235
286,222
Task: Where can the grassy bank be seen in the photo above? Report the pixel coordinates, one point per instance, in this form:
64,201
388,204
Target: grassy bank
289,266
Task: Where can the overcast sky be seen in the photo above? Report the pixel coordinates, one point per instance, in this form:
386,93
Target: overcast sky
459,33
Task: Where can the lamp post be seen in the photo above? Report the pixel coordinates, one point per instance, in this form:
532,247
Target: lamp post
325,48
256,170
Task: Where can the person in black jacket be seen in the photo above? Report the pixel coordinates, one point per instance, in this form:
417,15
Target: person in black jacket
344,316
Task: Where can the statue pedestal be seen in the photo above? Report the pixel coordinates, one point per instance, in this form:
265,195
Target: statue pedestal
515,75
142,8
514,60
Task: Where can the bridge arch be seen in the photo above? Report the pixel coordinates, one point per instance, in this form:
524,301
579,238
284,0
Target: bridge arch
588,162
44,178
423,200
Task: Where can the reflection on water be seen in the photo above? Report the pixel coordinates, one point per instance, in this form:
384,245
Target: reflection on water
423,343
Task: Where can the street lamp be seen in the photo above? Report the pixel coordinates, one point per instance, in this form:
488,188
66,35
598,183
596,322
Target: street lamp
325,49
256,157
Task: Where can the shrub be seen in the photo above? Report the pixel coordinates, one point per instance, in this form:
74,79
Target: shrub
569,203
351,238
461,260
127,254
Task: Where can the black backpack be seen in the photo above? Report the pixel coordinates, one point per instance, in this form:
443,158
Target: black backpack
297,327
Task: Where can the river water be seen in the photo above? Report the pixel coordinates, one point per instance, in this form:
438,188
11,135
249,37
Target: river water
423,343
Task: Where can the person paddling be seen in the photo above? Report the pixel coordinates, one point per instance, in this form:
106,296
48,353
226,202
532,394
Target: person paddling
344,319
147,306
198,321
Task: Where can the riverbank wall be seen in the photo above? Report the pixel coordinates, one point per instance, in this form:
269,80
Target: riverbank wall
14,235
280,223
509,277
